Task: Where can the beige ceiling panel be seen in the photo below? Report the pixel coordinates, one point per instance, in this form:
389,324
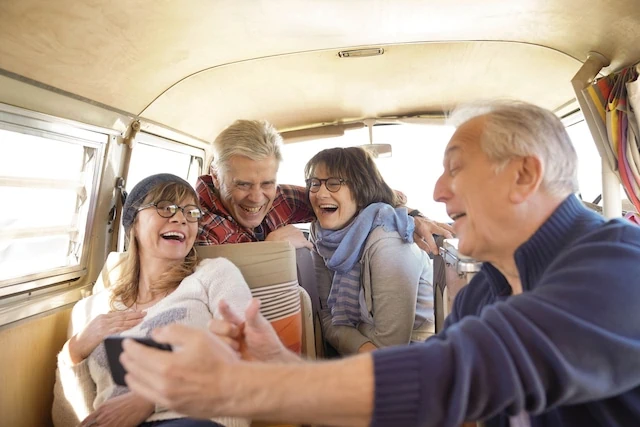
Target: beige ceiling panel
319,87
124,53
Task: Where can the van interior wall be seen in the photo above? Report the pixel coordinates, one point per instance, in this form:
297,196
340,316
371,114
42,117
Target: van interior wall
27,368
30,346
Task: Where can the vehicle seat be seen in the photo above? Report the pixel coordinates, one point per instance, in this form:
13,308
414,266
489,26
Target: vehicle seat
307,280
270,271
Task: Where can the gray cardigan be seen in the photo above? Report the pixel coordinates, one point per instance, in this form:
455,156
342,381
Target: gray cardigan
396,278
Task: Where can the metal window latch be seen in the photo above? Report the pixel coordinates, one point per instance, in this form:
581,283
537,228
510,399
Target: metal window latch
120,186
463,265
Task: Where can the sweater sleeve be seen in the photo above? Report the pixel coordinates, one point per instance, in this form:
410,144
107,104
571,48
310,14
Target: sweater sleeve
528,352
74,390
394,273
345,339
73,393
224,281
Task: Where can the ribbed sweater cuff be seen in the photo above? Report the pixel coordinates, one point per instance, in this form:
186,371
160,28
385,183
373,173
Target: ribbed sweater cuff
397,387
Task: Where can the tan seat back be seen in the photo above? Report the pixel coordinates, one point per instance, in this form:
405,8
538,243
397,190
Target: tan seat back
270,271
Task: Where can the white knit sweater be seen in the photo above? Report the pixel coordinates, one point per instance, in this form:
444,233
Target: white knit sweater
81,388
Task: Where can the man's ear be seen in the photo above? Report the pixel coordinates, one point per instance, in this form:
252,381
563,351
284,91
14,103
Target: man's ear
216,181
529,172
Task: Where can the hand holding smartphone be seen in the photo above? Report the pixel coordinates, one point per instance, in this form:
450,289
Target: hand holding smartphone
113,346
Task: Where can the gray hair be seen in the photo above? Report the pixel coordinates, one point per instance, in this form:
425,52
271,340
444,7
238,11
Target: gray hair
518,129
255,139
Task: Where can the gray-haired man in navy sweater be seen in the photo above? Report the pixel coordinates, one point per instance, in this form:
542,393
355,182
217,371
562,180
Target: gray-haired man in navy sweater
547,334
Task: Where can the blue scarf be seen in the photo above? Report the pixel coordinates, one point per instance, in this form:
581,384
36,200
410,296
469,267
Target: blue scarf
342,249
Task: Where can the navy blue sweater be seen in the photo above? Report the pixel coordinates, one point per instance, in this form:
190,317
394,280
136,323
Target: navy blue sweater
566,350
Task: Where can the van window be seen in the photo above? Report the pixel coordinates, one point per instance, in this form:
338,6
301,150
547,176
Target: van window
589,161
413,168
590,164
48,179
416,161
152,154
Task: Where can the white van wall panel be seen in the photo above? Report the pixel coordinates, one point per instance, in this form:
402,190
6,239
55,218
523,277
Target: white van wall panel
318,87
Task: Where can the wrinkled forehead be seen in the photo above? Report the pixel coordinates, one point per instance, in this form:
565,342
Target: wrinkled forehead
244,169
180,200
175,193
466,138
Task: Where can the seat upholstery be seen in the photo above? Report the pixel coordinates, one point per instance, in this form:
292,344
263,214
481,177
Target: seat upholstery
307,280
270,271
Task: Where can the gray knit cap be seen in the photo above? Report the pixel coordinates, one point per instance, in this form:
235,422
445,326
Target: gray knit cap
139,193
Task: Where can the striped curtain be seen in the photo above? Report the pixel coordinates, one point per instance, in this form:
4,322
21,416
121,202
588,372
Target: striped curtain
614,102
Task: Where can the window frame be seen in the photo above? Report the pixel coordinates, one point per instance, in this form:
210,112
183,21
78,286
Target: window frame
22,121
168,144
151,140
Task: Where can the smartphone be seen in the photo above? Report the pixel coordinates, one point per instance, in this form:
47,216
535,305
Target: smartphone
113,346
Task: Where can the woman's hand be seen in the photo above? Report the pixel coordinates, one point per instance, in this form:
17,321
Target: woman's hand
423,235
83,343
253,339
126,410
292,234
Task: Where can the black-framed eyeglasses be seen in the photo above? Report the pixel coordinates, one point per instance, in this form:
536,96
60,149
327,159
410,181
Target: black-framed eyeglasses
332,184
167,209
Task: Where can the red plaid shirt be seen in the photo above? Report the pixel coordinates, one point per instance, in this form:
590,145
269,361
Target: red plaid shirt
217,226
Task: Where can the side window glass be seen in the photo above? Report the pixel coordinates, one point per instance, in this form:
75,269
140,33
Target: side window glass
152,154
590,165
589,161
48,180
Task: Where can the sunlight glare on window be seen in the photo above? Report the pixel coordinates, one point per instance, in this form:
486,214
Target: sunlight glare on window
414,167
51,180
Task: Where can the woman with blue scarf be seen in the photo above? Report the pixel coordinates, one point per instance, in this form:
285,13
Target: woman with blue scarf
375,284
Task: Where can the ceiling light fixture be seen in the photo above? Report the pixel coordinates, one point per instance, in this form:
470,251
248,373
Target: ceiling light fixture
360,53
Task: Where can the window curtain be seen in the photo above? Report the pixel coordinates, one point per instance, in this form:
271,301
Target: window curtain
614,102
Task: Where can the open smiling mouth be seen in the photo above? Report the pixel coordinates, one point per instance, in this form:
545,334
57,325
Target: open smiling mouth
251,210
326,208
172,235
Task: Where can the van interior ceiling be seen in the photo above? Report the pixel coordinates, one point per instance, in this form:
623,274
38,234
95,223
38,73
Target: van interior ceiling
104,78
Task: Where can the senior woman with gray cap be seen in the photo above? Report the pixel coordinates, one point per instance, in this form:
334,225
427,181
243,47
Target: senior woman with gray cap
161,281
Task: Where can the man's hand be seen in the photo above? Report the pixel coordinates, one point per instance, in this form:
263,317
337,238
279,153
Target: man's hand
423,235
292,234
254,338
126,410
203,378
193,379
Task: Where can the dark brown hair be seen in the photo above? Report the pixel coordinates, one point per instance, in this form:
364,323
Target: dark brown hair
357,167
